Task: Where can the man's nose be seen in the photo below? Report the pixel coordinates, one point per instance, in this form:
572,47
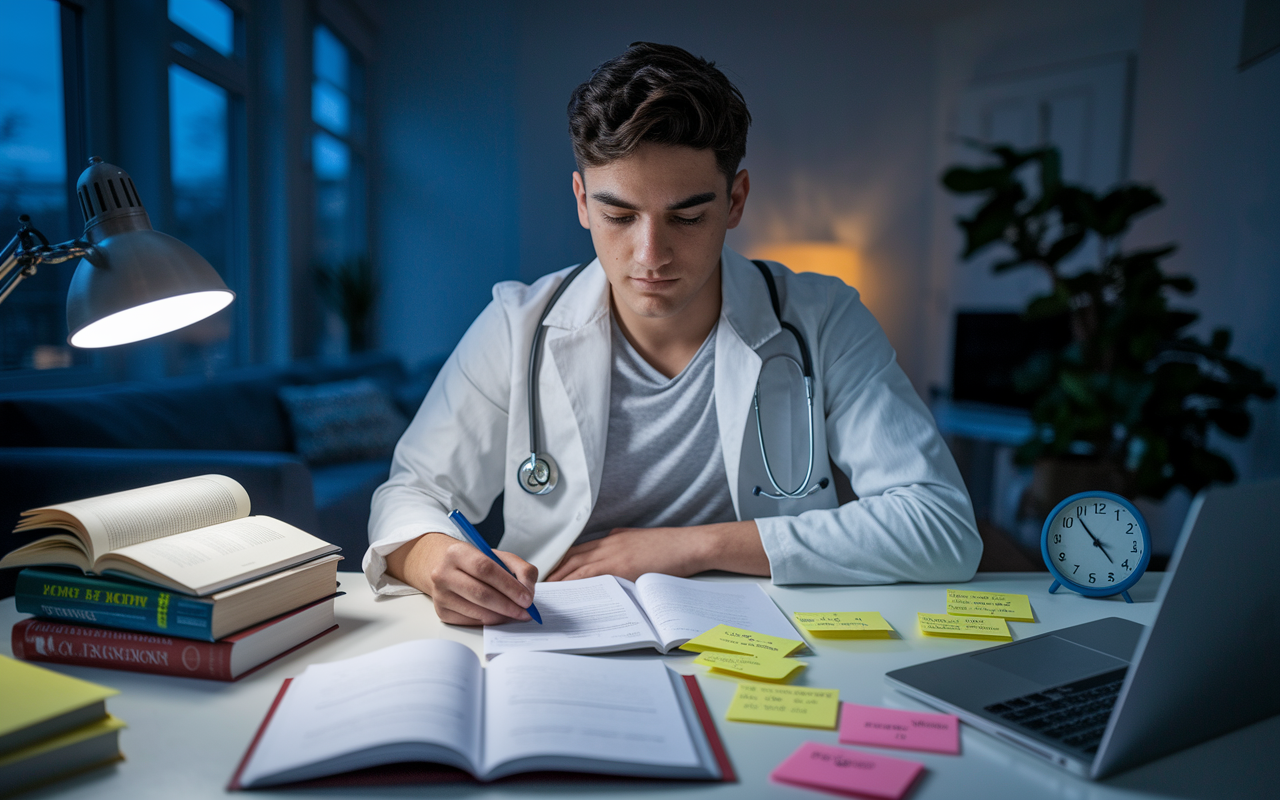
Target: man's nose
652,248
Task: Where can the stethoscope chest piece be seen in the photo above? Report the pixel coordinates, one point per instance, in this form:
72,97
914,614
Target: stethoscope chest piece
539,473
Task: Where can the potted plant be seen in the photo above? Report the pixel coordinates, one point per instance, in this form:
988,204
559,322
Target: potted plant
350,290
1130,402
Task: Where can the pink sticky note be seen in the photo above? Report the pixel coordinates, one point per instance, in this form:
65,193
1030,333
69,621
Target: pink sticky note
822,766
909,730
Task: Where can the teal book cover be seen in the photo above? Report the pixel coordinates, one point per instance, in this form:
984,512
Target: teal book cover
71,596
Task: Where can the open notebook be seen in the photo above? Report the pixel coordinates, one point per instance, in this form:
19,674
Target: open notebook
432,701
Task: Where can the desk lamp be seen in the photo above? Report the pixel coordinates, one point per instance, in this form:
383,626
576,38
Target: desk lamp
133,282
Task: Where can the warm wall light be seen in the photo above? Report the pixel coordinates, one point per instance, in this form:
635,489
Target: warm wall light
827,258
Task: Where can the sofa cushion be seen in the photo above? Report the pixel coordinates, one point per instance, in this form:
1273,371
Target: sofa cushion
342,421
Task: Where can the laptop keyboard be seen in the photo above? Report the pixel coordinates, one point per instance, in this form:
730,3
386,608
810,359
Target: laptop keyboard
1074,713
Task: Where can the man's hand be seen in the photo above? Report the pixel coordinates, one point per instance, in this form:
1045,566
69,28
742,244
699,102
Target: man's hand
631,552
466,587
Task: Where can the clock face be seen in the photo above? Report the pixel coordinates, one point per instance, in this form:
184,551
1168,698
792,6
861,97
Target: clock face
1095,542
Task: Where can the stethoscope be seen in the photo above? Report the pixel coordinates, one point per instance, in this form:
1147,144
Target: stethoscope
538,474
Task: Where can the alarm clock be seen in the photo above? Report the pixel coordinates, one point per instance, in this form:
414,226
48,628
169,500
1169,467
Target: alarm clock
1097,544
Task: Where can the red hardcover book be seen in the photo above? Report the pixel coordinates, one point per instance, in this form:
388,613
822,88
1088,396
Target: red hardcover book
227,659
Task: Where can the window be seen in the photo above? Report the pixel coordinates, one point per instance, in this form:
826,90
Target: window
35,180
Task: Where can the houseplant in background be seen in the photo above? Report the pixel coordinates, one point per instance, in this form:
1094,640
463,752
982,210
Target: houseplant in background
350,290
1129,403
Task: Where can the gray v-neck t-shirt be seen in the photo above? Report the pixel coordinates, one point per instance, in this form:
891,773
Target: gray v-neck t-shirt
663,466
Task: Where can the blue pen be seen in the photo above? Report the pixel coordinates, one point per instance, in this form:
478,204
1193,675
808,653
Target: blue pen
473,536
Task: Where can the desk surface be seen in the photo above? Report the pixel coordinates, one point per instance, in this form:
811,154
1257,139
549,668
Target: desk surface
185,736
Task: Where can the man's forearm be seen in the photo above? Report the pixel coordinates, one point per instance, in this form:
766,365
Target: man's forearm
732,547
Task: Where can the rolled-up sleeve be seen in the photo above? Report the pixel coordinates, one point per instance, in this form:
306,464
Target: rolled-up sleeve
913,520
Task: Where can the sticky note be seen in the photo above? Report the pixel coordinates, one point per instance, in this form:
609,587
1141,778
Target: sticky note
966,627
727,639
989,604
909,730
844,624
800,706
840,769
761,668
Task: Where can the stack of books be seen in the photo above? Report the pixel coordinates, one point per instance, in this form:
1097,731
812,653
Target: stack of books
51,726
175,579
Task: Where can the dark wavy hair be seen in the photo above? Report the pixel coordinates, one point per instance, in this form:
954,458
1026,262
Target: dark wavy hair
661,94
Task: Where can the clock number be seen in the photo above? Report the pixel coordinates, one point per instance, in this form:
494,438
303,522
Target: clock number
1100,508
1077,569
1117,515
1126,565
1080,511
1135,546
1057,538
1062,556
1111,577
1093,578
1067,521
1130,530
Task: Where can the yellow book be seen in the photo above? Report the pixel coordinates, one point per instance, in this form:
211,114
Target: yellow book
37,703
844,624
62,755
1016,607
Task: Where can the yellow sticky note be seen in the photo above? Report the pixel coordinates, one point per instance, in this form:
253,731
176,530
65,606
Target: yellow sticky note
989,604
800,706
968,627
762,668
844,624
727,639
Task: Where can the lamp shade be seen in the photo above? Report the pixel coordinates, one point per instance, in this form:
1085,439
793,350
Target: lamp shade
133,282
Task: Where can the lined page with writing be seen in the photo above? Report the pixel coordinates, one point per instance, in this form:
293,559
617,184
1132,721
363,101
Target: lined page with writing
593,615
680,608
209,559
384,707
569,710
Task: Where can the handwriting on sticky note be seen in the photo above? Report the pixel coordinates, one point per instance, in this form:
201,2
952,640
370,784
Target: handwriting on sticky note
727,639
764,668
909,730
968,627
989,604
822,766
800,706
844,624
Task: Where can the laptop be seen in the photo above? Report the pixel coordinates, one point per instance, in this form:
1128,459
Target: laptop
1109,695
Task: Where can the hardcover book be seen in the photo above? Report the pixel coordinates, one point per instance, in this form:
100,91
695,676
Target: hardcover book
193,535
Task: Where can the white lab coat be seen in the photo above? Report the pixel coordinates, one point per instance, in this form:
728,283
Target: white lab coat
912,522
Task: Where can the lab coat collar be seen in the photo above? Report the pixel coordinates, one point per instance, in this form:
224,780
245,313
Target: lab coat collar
745,300
584,301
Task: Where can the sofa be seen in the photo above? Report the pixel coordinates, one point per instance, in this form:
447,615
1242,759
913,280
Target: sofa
66,444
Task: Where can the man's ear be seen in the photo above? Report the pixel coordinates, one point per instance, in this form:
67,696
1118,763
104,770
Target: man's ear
580,194
737,197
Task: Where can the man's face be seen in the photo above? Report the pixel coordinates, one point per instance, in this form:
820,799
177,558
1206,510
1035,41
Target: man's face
658,220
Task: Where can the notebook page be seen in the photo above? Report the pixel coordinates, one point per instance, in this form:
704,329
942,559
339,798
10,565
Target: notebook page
593,615
426,691
681,609
552,704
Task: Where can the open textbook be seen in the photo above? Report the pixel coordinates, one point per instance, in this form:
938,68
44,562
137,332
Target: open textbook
193,535
606,614
431,700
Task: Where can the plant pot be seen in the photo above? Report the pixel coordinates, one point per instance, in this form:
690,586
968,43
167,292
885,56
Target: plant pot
1055,479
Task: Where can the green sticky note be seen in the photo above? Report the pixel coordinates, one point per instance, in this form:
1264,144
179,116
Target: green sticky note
844,624
761,668
799,706
727,639
1016,607
964,627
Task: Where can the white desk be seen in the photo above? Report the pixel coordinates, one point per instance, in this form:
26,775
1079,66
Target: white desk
186,736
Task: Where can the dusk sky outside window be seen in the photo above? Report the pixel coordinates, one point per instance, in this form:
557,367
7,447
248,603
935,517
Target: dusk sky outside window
208,20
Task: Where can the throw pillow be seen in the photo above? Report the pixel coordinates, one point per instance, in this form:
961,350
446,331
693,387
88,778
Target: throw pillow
344,421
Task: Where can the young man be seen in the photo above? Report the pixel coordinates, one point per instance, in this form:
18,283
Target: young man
652,362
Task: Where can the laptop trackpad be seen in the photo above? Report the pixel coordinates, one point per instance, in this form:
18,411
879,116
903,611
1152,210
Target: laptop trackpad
1050,660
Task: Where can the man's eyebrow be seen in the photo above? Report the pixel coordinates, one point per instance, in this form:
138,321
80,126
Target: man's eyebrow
611,199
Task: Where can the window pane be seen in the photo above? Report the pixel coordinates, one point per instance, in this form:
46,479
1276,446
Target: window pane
331,158
198,149
208,20
330,57
33,181
339,233
329,107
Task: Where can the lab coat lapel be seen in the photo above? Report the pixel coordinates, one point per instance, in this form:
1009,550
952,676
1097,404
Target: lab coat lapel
747,321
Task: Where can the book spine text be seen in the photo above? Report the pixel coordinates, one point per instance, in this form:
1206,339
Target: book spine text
56,643
98,601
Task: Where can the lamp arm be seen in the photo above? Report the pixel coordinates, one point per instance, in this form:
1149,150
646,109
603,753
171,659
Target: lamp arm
21,256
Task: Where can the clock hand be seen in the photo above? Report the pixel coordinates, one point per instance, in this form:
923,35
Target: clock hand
1096,543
